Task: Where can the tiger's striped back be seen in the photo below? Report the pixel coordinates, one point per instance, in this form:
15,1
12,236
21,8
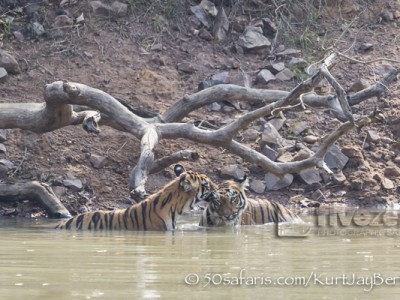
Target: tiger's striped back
158,212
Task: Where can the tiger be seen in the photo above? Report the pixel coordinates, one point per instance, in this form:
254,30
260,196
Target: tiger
157,212
229,206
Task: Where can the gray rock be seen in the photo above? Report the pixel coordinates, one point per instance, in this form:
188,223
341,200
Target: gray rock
269,27
59,191
373,136
3,75
205,35
335,159
73,184
98,161
232,171
270,153
3,172
309,203
270,137
392,171
208,83
297,62
356,157
397,160
302,154
186,67
387,16
275,68
37,29
18,36
285,157
62,21
250,135
387,184
3,148
100,8
257,186
339,178
8,62
285,75
221,25
119,9
310,139
277,123
298,127
265,76
7,163
253,39
241,79
310,176
215,106
221,77
288,52
201,14
274,183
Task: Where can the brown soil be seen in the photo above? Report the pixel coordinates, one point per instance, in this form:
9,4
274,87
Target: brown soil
115,55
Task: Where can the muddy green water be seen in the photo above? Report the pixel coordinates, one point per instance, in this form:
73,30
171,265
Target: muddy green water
37,262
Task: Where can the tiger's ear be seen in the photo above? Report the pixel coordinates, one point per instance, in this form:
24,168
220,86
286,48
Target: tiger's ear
243,182
178,169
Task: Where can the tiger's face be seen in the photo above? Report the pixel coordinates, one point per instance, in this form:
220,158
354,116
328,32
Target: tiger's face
194,183
227,203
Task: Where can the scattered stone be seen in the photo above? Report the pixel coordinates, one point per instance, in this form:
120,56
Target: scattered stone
373,136
309,203
250,135
356,157
265,76
36,29
270,137
62,21
98,161
339,193
80,19
356,184
18,36
221,77
285,75
2,148
387,184
310,176
241,79
215,106
59,191
194,22
119,9
302,154
186,67
366,47
205,35
387,16
288,52
3,75
270,153
269,27
335,159
7,163
297,62
397,160
208,83
277,123
253,39
392,171
318,196
232,171
298,127
3,172
209,7
73,184
8,62
275,68
339,178
310,139
359,85
257,186
285,157
274,183
221,25
202,14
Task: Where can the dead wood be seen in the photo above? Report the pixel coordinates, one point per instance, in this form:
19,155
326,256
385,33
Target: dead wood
60,97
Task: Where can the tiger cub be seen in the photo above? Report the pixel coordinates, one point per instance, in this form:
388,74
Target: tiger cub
157,212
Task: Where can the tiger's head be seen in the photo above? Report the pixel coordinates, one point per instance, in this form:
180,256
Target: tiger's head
226,204
193,183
